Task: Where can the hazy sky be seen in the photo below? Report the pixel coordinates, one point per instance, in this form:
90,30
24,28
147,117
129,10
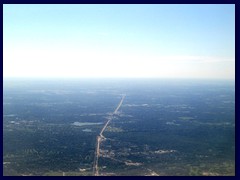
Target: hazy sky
175,41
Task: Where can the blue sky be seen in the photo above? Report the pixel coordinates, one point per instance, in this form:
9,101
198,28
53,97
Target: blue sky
173,41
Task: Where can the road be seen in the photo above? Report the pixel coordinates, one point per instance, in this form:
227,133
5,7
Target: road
100,137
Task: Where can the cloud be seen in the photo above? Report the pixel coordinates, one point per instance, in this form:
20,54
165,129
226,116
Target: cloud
195,59
75,62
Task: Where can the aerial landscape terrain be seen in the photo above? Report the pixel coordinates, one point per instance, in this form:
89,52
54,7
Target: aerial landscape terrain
119,90
153,127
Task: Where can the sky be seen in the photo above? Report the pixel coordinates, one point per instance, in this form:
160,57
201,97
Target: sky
127,41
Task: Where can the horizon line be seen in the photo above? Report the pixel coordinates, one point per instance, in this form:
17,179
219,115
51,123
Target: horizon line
170,78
